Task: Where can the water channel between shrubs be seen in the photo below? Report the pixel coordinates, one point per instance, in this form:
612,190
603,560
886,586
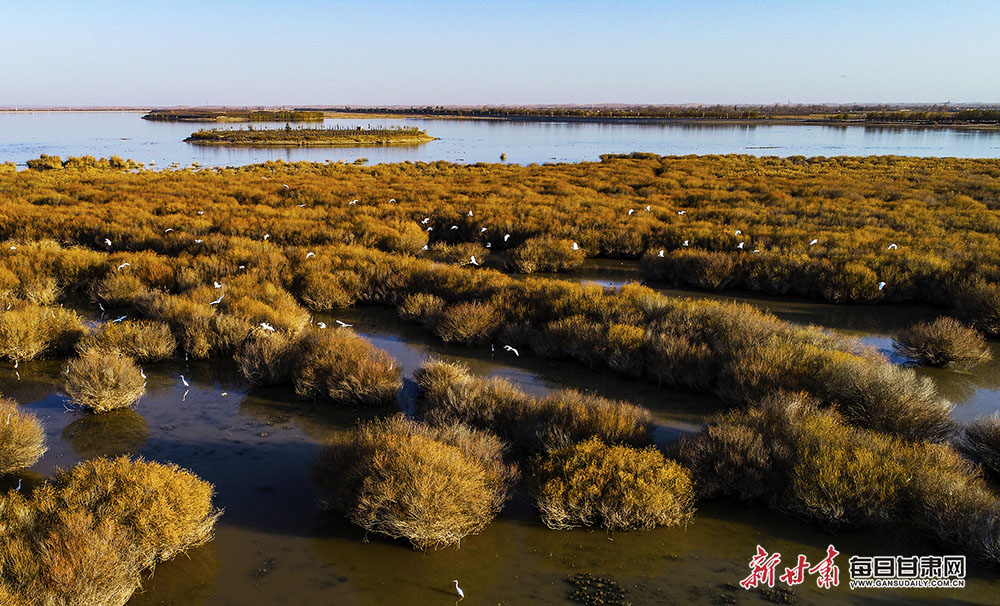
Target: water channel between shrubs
275,545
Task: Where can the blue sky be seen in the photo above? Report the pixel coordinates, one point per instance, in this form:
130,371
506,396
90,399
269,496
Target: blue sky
298,53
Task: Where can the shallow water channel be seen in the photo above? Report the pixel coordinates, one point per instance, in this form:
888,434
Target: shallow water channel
274,544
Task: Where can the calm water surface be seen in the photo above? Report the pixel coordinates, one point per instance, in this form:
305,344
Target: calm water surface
26,135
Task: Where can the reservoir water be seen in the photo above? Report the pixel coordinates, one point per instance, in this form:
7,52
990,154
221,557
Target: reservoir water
26,135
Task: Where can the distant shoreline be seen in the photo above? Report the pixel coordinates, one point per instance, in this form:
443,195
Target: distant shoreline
310,137
783,121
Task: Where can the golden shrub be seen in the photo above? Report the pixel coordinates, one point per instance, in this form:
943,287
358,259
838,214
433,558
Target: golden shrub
618,487
943,342
30,331
340,365
102,380
144,340
402,479
468,323
22,439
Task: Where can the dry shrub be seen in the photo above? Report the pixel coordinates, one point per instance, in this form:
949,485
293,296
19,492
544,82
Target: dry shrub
346,368
329,291
877,395
431,486
31,331
144,340
165,510
979,304
943,342
266,358
83,538
546,254
703,268
119,289
813,465
41,291
981,442
22,439
618,487
102,380
452,395
468,323
675,361
624,346
422,308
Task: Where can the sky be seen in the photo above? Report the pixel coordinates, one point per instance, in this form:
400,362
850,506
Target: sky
134,53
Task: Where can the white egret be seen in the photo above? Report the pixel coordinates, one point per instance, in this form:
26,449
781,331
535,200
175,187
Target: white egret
168,230
470,213
426,219
756,250
892,246
482,231
219,300
424,248
881,285
630,211
201,212
13,248
266,326
660,254
576,246
101,306
343,324
685,243
284,186
461,594
489,245
740,246
453,227
472,261
185,381
649,208
430,229
321,324
301,205
143,373
813,241
216,284
18,489
107,241
738,232
310,254
197,241
224,394
506,237
243,266
117,320
126,264
352,202
391,200
266,236
511,350
682,212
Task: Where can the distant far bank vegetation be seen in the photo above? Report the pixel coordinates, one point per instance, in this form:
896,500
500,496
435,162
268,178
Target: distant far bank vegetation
289,136
232,115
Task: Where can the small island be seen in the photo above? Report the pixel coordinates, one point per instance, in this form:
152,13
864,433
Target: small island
316,137
232,115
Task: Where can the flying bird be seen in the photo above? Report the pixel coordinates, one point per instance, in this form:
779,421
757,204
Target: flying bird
107,241
483,230
682,212
343,324
266,326
511,350
892,246
201,212
426,219
660,254
168,230
301,205
123,265
391,200
470,213
881,285
685,243
284,186
424,248
813,241
216,284
740,246
310,254
630,211
738,232
321,324
472,261
117,320
649,208
506,237
576,246
352,202
197,241
219,300
266,236
453,227
489,245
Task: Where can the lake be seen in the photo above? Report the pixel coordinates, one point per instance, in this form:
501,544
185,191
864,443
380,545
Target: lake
26,135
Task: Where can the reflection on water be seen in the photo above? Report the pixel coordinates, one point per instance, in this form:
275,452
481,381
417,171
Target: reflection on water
26,135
